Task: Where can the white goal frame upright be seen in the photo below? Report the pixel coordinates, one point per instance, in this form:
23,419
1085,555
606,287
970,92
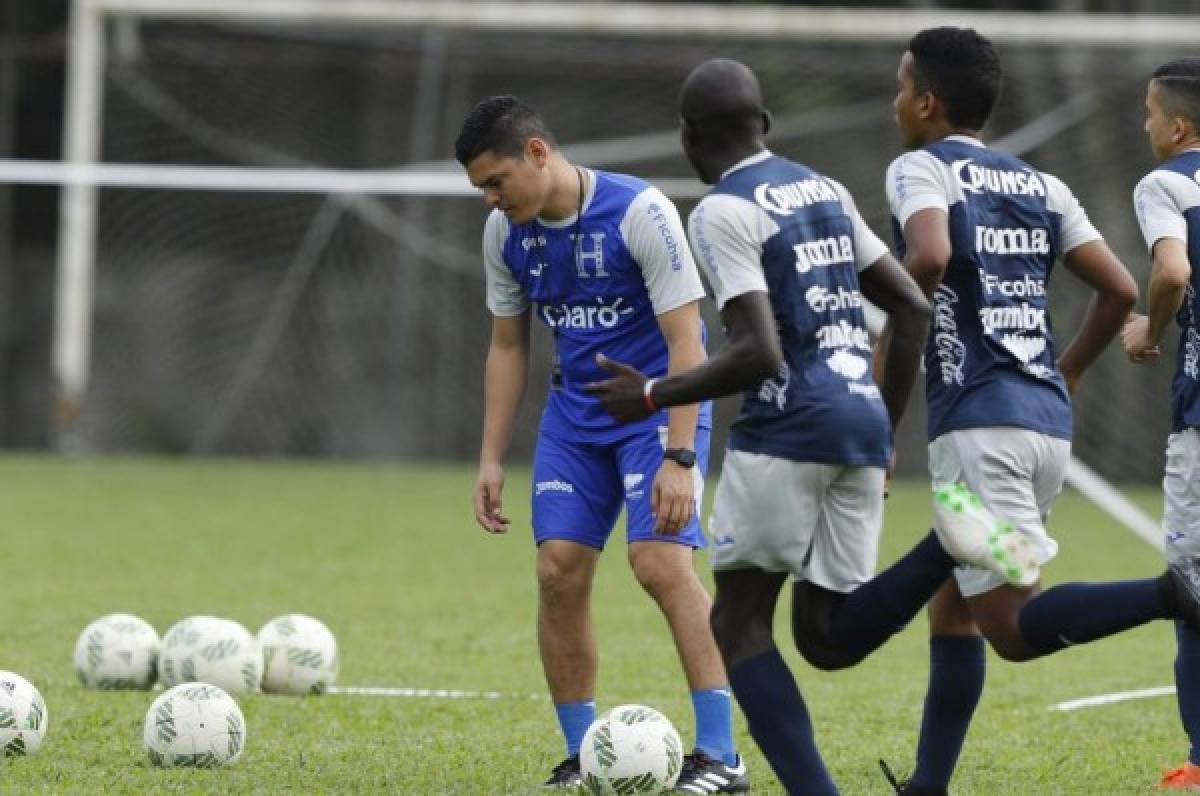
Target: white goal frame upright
80,172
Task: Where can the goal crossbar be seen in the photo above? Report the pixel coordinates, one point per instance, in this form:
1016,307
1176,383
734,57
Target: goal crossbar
681,19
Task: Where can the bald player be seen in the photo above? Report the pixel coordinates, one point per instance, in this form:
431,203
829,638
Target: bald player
801,494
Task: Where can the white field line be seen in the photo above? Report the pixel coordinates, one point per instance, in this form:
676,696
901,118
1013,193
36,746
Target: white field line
426,693
1109,699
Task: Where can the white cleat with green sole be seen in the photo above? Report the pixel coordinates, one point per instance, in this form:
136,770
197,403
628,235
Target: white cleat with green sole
972,535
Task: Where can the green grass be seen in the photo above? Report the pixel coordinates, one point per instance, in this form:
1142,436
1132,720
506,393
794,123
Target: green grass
390,558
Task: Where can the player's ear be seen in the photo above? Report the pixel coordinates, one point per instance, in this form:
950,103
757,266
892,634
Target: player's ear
537,151
927,104
1179,129
766,121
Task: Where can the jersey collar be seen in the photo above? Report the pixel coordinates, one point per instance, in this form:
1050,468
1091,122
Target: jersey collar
964,139
758,157
589,193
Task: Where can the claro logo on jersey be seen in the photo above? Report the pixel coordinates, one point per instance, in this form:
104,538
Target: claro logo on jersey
977,179
584,316
786,199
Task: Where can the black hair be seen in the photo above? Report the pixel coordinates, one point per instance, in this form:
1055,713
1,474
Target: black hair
961,68
1180,79
501,125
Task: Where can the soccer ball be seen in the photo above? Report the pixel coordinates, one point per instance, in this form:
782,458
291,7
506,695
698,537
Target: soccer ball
117,651
299,655
195,725
209,650
631,750
23,716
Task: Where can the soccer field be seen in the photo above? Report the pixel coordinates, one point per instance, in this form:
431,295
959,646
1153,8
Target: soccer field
390,558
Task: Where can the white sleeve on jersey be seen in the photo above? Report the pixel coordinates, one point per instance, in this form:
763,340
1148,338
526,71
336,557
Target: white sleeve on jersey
654,235
505,296
727,234
1159,201
1076,228
917,181
867,246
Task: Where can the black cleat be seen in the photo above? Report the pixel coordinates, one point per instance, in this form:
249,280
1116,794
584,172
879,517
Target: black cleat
1185,577
702,774
566,775
905,787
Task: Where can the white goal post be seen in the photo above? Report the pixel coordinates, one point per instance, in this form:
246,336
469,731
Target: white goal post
95,24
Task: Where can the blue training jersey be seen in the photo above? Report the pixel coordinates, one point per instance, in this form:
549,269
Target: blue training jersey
777,226
1167,201
990,358
597,282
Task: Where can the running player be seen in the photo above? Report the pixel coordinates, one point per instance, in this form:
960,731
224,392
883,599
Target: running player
801,494
1167,201
980,231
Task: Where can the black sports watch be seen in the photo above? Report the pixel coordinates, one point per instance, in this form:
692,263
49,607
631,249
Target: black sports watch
681,456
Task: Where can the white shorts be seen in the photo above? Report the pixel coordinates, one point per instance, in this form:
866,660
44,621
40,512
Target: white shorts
1181,494
1016,473
819,522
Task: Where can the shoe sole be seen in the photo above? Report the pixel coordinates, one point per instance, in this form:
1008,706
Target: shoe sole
1010,554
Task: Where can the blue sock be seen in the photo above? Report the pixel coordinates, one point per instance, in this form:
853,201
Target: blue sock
779,723
881,607
1075,613
714,724
957,665
1187,685
575,718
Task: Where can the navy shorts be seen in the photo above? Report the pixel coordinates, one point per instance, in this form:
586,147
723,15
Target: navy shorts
580,487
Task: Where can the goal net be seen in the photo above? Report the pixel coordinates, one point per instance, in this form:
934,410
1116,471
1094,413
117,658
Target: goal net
281,259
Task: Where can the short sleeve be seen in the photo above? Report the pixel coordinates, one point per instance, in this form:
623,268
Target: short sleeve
868,248
727,234
916,181
1158,211
1076,228
654,234
505,296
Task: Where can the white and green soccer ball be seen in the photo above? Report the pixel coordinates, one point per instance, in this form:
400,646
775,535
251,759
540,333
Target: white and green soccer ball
194,725
210,650
629,751
23,716
117,651
300,655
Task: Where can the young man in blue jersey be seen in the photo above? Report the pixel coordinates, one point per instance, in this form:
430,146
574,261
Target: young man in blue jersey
1167,201
801,494
601,259
980,231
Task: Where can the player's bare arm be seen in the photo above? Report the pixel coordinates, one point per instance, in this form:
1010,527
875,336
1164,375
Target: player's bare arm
1170,273
752,352
1115,294
888,286
673,499
927,235
505,377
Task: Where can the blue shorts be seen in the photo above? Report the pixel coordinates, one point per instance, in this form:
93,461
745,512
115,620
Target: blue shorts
579,488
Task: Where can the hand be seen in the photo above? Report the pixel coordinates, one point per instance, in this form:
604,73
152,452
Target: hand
673,499
1134,339
488,503
887,478
622,395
